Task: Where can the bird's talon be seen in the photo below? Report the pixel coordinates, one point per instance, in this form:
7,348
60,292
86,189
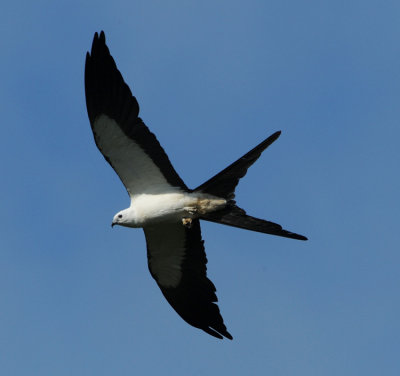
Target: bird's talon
187,222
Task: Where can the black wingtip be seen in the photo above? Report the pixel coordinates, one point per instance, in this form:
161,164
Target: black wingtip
99,38
220,334
96,40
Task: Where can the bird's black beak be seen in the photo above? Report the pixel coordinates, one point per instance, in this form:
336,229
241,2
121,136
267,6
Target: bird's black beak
112,224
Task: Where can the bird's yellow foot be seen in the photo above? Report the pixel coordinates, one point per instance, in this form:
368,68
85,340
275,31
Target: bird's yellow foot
187,222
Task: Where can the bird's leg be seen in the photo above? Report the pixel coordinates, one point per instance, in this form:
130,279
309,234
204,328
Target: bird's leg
187,222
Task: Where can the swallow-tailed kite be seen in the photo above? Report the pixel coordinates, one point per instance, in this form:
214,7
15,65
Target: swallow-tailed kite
167,210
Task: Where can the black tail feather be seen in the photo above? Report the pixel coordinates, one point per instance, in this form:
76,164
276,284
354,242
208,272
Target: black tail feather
224,183
237,217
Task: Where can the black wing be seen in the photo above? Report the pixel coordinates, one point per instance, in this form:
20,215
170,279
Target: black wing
121,136
177,261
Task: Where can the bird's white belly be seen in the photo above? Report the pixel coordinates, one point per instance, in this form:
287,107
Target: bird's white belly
152,208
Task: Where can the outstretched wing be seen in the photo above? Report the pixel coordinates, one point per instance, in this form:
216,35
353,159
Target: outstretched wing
177,261
121,136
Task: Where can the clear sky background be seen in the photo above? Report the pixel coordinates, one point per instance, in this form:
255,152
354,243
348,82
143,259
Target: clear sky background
213,79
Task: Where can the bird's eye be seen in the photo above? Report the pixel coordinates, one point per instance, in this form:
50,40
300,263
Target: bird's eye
119,215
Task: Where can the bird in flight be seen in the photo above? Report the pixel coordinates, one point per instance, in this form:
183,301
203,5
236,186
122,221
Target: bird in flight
161,203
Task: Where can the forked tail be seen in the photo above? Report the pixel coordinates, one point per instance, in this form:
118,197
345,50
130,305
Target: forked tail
223,185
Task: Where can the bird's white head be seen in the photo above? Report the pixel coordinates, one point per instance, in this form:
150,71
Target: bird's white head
125,218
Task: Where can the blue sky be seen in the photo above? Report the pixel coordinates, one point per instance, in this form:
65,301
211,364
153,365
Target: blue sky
213,79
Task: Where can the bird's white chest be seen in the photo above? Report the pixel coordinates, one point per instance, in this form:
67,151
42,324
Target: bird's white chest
154,208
